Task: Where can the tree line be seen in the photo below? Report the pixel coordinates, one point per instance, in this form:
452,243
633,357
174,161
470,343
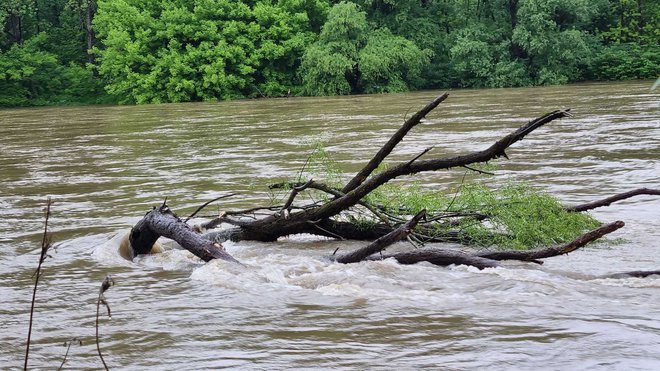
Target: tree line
153,51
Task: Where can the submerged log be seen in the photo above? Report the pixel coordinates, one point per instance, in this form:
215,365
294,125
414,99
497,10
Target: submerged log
440,257
162,221
632,274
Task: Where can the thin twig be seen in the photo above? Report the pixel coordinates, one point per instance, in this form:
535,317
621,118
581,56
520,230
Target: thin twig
68,344
457,191
315,224
478,171
206,204
252,210
425,151
294,192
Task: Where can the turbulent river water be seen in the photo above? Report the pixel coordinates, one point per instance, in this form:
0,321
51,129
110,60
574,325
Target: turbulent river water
288,308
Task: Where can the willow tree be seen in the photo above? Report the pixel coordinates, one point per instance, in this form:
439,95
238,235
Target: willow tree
351,57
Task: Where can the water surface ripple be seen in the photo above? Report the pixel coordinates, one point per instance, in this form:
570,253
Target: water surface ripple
288,308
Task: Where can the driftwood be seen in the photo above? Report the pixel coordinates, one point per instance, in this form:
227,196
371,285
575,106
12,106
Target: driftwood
162,221
535,255
329,218
490,259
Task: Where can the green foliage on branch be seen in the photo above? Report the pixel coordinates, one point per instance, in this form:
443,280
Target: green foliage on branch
514,216
518,217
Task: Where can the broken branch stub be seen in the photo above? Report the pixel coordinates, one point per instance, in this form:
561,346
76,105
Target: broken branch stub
162,221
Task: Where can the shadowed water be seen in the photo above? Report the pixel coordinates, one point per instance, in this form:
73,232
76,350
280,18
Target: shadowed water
288,308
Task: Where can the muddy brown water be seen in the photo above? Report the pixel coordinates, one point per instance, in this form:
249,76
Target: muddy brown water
289,309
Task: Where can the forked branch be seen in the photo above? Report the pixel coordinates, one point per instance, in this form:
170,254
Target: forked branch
389,146
383,242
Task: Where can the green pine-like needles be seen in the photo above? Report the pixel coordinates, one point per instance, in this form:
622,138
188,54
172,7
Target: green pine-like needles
513,216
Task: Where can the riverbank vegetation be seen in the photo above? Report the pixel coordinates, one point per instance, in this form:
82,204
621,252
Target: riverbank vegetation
137,51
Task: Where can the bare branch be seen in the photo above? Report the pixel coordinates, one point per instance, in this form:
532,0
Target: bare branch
425,151
389,146
555,250
617,197
206,204
398,234
478,171
294,192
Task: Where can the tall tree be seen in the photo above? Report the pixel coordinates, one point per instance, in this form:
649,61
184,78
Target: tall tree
175,50
351,57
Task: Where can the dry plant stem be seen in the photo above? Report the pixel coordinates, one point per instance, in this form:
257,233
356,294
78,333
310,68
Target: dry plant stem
68,347
107,283
45,245
617,197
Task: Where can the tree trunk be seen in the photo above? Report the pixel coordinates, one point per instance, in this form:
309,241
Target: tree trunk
90,11
163,222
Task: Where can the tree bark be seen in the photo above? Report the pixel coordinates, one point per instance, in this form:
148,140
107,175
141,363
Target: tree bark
631,274
162,221
617,197
383,242
534,255
90,11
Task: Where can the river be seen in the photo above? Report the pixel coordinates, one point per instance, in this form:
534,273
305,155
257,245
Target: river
289,309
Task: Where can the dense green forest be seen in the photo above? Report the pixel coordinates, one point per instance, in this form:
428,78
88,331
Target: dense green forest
151,51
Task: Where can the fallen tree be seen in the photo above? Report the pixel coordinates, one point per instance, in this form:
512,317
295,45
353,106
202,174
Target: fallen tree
352,211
